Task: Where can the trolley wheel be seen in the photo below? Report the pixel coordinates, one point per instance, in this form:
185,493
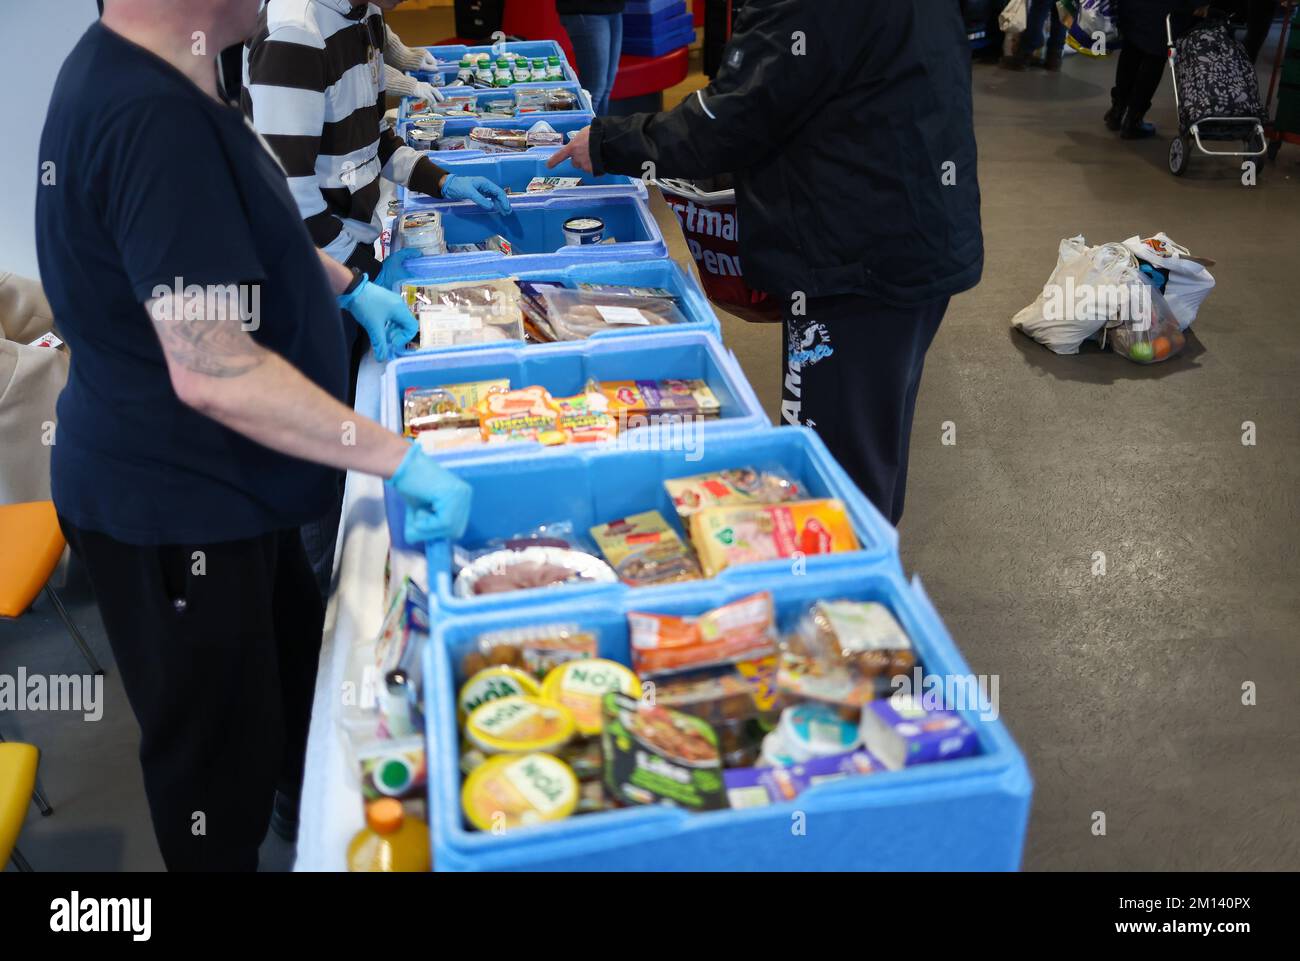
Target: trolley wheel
1274,148
1178,156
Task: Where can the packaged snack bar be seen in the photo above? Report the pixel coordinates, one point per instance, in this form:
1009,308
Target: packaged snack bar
759,787
580,685
514,792
728,488
726,536
519,725
537,650
448,406
585,418
902,732
491,683
739,631
643,549
526,414
657,756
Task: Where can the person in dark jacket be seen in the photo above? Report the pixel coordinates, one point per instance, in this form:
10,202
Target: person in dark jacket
848,128
595,27
1142,60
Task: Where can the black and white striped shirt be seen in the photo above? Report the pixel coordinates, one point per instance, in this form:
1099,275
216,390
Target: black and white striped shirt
314,89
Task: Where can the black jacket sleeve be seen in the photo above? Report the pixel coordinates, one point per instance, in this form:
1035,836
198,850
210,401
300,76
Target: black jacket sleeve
771,76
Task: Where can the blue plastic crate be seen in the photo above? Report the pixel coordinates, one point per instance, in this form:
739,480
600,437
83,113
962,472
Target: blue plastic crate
645,21
591,487
451,55
668,36
567,123
515,171
566,270
538,228
457,126
968,814
648,7
564,369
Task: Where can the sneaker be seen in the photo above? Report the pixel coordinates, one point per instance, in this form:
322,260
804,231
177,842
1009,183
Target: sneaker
1135,128
1114,119
1052,62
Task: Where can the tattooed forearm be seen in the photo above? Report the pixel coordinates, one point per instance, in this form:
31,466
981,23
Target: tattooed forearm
217,346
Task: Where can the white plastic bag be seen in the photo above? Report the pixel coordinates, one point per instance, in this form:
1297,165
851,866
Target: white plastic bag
1014,17
1188,282
1090,287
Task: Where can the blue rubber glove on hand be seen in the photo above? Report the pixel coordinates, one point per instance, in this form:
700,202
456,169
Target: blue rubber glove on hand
482,191
394,270
437,501
387,320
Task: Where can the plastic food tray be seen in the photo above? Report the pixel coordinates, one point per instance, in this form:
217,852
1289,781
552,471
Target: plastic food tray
565,368
538,228
566,122
570,271
968,814
587,487
532,49
457,126
516,171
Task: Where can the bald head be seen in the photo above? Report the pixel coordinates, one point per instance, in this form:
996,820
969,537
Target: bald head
221,22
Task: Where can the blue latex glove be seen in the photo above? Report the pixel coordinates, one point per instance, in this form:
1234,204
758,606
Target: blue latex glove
482,191
394,270
437,501
387,320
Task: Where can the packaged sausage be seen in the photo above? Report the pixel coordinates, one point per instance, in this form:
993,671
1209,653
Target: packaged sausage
664,643
525,414
514,792
585,418
644,549
726,536
577,314
657,756
580,685
741,485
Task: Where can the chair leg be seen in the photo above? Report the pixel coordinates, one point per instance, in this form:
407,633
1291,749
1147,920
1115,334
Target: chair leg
19,861
72,629
42,803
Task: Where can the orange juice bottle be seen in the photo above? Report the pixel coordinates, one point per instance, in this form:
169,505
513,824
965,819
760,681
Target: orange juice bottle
391,841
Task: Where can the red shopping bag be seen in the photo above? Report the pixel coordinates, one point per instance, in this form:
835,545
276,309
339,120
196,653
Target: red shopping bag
708,219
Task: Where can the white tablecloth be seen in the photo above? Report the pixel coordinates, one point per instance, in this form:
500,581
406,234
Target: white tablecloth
331,811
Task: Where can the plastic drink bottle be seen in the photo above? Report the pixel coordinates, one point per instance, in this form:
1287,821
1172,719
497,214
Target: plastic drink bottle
390,841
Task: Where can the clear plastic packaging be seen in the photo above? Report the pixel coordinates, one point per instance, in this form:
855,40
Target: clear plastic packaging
844,653
1152,335
577,314
485,311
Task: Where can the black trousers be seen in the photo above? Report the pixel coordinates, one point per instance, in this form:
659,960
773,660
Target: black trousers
853,368
1259,21
1137,77
217,645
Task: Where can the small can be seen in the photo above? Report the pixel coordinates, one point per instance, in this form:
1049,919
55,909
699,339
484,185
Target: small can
583,231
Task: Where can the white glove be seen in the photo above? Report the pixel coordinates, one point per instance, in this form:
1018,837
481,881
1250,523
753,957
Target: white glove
428,92
428,62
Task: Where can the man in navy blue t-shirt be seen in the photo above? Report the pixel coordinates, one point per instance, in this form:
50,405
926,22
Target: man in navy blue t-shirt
201,423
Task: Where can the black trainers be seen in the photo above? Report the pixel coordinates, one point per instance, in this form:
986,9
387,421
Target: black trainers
1114,119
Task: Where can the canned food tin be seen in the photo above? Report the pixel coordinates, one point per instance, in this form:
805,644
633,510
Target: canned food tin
582,231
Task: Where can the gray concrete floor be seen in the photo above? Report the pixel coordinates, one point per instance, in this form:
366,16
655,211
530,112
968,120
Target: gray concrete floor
1123,690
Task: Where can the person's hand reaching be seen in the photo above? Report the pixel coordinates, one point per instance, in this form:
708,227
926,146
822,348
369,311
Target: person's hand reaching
578,150
437,501
482,191
383,315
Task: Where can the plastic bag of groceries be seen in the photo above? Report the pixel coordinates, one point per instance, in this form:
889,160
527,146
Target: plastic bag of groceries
1184,280
1152,334
707,212
1089,289
1086,21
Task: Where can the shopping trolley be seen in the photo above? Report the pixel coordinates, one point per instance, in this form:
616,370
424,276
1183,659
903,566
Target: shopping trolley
1217,95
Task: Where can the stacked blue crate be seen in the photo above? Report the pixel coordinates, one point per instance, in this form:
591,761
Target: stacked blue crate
652,28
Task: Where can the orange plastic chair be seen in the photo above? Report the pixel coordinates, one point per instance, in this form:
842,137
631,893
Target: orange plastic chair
33,545
17,787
